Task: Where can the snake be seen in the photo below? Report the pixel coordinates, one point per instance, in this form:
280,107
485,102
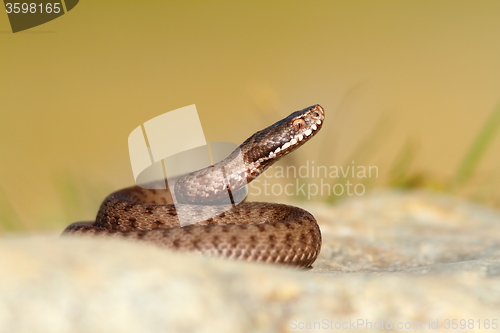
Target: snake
251,231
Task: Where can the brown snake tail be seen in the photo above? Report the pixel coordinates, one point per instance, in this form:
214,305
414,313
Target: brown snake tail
252,231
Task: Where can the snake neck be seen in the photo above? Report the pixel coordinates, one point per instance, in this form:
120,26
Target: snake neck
256,154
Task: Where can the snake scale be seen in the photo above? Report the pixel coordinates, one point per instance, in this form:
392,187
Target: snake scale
252,231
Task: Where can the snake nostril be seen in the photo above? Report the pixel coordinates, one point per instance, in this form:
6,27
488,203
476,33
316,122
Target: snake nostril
318,111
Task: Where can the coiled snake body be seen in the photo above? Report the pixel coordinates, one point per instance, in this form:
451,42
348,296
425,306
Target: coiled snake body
253,231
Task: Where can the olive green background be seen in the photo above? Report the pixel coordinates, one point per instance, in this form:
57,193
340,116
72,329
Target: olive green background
418,76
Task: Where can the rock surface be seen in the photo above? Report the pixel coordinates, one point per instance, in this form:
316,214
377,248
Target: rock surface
390,260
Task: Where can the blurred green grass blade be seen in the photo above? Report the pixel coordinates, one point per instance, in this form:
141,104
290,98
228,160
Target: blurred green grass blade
371,143
478,148
70,193
80,195
9,218
399,174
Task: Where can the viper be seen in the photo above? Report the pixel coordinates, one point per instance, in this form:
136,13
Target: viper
253,231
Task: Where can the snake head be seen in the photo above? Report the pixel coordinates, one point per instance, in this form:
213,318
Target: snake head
267,146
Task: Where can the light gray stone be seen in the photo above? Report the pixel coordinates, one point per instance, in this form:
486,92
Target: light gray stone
404,231
392,257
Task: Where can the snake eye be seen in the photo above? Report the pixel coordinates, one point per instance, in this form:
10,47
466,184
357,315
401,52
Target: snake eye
299,124
316,114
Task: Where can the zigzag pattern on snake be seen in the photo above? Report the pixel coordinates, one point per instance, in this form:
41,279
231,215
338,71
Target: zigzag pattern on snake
252,231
